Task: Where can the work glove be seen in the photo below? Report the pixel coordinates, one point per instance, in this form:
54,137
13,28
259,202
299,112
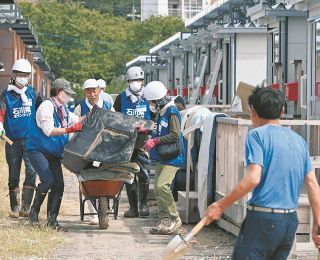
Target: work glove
2,131
142,130
74,128
151,143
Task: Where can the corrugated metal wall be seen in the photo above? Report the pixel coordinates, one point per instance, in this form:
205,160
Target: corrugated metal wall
13,48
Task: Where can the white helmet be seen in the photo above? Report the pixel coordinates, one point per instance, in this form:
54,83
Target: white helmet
101,83
154,90
90,83
134,73
22,65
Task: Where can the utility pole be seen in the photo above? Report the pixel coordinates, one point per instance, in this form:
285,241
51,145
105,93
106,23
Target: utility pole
133,13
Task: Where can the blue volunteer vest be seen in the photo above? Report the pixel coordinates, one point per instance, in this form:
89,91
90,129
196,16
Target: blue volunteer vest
139,109
52,145
85,109
162,130
19,118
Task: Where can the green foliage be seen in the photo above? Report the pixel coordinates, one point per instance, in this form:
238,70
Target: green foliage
80,43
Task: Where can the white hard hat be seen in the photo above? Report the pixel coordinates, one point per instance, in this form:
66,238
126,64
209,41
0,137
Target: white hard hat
22,65
154,90
90,83
134,73
101,83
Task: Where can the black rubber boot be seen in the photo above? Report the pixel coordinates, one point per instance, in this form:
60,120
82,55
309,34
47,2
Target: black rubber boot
143,199
27,196
54,208
49,202
35,208
132,193
14,202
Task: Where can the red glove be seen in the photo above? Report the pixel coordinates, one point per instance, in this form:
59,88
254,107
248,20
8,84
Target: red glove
142,130
74,128
150,144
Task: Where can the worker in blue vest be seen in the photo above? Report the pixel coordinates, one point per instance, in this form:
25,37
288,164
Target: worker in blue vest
45,147
92,92
71,105
132,103
166,131
18,103
105,96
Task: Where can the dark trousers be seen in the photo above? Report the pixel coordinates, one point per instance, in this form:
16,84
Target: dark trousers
14,155
49,170
266,235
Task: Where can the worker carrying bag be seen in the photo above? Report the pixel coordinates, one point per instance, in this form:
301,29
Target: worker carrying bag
106,137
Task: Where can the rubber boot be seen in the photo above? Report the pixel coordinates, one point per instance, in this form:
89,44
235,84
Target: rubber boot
132,193
49,202
143,199
35,208
14,202
54,208
27,196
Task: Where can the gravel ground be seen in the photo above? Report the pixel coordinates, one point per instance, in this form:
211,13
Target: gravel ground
129,238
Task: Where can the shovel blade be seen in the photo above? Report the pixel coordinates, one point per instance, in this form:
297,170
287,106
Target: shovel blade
176,248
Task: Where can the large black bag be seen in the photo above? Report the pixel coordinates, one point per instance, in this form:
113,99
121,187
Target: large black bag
169,151
106,137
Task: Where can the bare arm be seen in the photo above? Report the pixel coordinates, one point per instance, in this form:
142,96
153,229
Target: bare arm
247,184
314,198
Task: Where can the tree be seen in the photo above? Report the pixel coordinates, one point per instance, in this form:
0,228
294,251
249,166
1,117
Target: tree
80,43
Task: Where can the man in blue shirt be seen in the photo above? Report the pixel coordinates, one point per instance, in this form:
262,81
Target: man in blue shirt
278,163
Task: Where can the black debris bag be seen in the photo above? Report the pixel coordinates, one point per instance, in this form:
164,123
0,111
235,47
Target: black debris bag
106,137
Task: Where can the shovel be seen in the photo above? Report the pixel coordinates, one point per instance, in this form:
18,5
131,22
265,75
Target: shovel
7,139
179,245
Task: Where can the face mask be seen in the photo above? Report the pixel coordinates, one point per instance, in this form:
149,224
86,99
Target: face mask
153,109
135,86
64,97
21,81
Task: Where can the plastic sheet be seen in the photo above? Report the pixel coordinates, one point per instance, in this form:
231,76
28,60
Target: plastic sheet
106,137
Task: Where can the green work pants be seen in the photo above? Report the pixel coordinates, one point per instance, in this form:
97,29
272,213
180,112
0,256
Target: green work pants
166,204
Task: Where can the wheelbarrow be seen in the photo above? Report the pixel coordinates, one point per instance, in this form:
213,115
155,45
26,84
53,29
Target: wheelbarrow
100,193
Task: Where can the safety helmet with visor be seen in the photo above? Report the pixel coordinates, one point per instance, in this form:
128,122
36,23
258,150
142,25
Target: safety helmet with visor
135,77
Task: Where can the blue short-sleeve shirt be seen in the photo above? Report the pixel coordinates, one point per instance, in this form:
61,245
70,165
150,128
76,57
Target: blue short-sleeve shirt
285,160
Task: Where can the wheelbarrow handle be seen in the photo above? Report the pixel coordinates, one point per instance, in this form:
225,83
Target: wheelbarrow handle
7,139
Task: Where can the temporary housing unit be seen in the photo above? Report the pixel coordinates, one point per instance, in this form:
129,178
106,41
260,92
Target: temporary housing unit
18,40
287,51
169,61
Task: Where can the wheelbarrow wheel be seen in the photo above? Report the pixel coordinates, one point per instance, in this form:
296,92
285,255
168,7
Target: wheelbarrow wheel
103,213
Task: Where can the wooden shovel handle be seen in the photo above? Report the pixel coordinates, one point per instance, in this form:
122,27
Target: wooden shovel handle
7,139
199,226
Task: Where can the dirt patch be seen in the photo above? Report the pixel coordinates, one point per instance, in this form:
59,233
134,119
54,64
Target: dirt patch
129,238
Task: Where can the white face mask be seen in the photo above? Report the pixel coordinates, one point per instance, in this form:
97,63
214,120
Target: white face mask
153,109
135,86
21,81
64,97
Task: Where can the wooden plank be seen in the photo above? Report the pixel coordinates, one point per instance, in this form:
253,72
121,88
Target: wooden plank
192,128
228,226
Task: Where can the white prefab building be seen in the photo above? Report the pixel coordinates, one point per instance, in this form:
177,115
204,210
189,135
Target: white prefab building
180,8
